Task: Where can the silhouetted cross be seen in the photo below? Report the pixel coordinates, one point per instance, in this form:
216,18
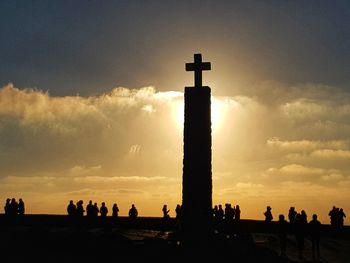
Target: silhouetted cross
198,66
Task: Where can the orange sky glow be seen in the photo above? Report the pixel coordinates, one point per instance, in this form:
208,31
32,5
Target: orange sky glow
125,146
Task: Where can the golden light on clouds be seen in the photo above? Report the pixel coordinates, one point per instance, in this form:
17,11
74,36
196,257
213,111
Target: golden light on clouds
126,146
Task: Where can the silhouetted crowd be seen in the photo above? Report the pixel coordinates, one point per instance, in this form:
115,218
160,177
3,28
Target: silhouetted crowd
298,225
337,216
13,208
230,213
226,219
76,210
92,210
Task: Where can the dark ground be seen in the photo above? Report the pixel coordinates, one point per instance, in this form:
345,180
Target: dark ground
47,238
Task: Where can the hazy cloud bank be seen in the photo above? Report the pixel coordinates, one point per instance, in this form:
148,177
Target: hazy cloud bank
129,142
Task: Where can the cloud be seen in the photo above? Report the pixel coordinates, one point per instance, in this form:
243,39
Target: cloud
331,154
305,145
333,176
127,144
44,131
84,171
297,172
300,170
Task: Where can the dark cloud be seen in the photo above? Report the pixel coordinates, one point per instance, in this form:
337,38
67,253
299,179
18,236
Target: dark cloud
85,48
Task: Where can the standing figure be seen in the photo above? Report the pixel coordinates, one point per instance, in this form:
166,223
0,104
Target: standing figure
303,217
115,210
341,215
13,207
80,208
268,214
220,218
21,208
237,214
165,212
282,232
71,209
7,207
291,214
133,213
95,211
299,231
90,209
229,217
215,210
103,210
315,231
178,212
333,214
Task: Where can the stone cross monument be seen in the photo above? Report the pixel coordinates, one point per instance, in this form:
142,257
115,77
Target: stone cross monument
197,175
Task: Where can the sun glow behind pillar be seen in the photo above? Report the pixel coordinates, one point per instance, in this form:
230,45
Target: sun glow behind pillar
217,114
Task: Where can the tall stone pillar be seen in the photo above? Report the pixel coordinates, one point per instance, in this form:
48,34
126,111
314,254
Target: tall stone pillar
197,174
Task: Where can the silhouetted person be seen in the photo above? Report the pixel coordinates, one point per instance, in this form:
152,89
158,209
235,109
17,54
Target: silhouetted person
178,217
237,213
115,210
303,217
340,217
220,213
282,232
90,209
299,231
80,208
103,210
229,216
7,207
178,212
71,209
220,218
315,231
133,213
21,208
268,214
96,210
13,208
333,215
215,210
215,217
165,211
291,214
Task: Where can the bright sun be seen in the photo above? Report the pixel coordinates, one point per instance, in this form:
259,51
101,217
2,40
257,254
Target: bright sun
217,114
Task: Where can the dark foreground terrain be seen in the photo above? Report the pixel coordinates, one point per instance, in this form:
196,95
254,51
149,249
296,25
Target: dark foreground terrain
44,238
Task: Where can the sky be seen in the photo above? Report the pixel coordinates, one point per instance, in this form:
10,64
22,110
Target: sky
91,103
